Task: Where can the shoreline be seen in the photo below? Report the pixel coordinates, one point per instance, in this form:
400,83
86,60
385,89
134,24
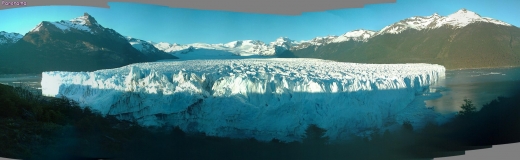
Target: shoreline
498,67
2,75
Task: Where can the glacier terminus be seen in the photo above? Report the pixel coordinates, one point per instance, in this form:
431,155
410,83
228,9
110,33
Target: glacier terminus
254,98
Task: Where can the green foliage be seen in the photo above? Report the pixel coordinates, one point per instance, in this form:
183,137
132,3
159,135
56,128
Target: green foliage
8,108
9,102
85,125
467,108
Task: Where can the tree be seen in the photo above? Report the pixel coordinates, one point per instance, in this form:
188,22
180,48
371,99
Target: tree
178,133
407,125
467,108
315,135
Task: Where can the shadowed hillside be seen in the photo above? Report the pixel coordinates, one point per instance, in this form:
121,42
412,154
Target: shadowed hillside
478,45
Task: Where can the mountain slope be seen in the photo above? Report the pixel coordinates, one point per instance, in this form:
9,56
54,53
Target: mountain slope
460,40
80,44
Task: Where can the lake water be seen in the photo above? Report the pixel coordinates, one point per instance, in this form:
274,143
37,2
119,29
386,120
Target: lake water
33,81
479,85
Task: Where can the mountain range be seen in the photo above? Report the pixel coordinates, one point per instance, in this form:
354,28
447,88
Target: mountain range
463,39
80,44
255,47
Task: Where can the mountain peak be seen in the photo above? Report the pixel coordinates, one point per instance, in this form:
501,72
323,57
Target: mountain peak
86,19
84,23
435,15
356,35
459,19
283,39
466,13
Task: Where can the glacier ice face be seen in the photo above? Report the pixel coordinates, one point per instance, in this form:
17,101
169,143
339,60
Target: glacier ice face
260,98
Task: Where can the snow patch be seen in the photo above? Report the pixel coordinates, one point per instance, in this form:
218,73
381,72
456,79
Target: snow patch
356,35
79,23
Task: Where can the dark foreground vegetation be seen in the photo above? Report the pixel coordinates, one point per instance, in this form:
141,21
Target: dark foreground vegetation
32,127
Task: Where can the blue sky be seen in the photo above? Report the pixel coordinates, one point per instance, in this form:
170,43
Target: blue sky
174,25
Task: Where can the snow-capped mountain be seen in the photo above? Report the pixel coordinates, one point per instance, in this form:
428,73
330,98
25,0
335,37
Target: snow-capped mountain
318,41
282,44
234,48
87,26
255,47
459,19
463,39
79,44
145,47
12,37
170,48
8,39
249,47
359,35
254,98
83,23
356,35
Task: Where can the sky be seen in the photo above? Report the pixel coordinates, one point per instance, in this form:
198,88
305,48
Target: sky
184,26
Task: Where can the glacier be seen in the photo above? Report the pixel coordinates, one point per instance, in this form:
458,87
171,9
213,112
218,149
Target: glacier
254,98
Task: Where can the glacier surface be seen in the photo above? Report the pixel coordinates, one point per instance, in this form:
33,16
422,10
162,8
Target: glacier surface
260,98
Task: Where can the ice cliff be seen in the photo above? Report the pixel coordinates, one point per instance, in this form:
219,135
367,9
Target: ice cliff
261,98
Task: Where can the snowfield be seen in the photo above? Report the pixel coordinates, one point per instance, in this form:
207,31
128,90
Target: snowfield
260,98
